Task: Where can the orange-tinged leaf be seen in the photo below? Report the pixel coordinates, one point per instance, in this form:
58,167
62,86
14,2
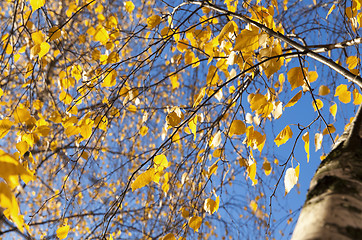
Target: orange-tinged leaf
129,6
237,127
295,77
153,21
175,117
318,138
357,97
5,125
252,173
312,76
323,90
305,138
333,110
169,236
195,223
62,232
290,179
331,129
294,99
267,167
343,94
211,206
54,33
36,4
318,104
143,179
192,125
283,136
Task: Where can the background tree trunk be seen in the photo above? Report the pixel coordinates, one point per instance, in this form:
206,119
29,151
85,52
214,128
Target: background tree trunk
333,208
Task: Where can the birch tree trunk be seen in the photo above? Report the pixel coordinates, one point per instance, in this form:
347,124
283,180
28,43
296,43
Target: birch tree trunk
333,208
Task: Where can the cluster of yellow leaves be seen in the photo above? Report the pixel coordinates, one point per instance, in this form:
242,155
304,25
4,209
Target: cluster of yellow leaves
41,47
152,174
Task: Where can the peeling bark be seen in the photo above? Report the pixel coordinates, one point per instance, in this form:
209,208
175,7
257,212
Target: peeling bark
333,208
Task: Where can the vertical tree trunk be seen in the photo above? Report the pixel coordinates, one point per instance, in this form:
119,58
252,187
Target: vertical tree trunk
333,208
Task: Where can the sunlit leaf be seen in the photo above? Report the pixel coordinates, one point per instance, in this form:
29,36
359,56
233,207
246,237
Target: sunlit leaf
36,4
357,97
323,90
283,136
305,138
62,232
295,77
237,127
333,110
251,169
143,130
54,33
169,236
192,125
160,161
247,40
343,94
129,6
195,223
216,140
9,203
5,126
273,65
352,62
211,206
290,179
317,104
153,21
267,167
294,99
101,35
331,129
175,117
318,138
143,179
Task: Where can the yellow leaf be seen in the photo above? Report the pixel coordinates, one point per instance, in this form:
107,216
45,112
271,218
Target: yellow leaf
330,10
357,97
218,152
295,77
212,77
267,167
132,108
252,173
9,204
331,128
343,94
213,168
101,35
319,104
283,136
273,65
143,130
312,76
333,110
253,206
216,140
62,232
294,99
85,130
1,92
36,4
305,138
199,97
44,49
211,206
143,179
109,79
290,179
11,169
228,28
21,115
318,138
22,147
192,125
237,127
169,236
195,223
323,90
247,40
129,6
153,21
38,37
160,161
352,62
54,33
5,126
